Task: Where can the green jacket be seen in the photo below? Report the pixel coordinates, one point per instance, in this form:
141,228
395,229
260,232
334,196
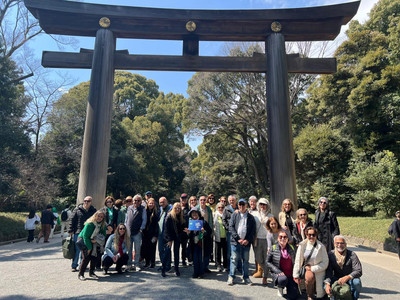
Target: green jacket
87,232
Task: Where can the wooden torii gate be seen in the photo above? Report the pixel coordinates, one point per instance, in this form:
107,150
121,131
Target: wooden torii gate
109,22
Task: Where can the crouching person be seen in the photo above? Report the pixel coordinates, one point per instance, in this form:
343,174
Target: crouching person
280,261
116,250
344,271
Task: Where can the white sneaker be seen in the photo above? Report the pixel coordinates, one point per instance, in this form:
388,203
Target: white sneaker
280,292
230,280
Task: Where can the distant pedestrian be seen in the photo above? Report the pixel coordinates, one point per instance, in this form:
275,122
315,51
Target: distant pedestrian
396,231
76,223
47,221
326,223
30,224
65,215
55,223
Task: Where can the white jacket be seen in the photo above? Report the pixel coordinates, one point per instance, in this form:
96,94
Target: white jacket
30,223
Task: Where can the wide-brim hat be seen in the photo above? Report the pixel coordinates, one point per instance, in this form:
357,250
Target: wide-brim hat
263,201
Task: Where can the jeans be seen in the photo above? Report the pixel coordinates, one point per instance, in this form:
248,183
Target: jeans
240,253
137,239
78,255
162,248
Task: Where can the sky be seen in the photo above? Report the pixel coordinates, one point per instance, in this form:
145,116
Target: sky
176,82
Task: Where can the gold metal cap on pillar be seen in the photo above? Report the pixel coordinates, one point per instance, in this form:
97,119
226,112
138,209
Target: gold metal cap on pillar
191,26
105,22
276,26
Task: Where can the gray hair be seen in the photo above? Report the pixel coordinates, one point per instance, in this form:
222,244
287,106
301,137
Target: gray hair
339,237
253,198
233,196
137,196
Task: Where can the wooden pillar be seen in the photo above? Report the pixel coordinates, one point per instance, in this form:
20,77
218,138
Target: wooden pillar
96,141
280,139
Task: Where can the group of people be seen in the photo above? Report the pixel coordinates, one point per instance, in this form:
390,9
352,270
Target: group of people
299,254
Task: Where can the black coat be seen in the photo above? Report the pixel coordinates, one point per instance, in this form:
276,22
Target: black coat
114,221
396,228
207,238
296,233
78,218
151,229
328,228
173,230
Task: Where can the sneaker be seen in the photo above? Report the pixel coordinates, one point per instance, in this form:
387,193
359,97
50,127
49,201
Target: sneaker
247,281
81,277
230,280
92,275
74,270
138,269
280,292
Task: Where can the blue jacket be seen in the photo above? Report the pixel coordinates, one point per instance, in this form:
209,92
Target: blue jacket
110,251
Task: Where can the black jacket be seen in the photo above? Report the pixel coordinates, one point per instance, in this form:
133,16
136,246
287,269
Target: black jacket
151,229
274,257
328,227
114,220
207,239
173,230
234,225
79,217
226,217
396,228
296,233
47,217
352,266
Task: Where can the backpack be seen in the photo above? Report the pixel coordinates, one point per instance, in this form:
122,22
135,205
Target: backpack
391,228
64,215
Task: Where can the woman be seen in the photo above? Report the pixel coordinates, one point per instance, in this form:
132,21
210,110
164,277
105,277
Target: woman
301,223
223,200
326,223
91,243
253,205
30,224
312,255
287,215
174,228
280,261
150,234
116,251
220,239
111,212
260,244
211,202
273,228
199,242
192,202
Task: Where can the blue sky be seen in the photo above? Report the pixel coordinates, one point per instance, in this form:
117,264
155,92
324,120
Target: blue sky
176,82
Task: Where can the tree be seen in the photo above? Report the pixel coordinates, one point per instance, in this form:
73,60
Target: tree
376,183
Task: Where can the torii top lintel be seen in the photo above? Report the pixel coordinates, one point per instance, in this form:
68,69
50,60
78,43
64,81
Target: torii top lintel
296,24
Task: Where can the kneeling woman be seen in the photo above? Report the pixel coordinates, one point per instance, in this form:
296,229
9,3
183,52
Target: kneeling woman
116,250
280,261
91,243
312,255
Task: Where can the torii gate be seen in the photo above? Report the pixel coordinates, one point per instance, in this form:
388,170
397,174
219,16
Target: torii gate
109,22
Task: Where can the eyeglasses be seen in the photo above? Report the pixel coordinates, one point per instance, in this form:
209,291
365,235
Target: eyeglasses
283,237
302,215
311,234
211,198
286,204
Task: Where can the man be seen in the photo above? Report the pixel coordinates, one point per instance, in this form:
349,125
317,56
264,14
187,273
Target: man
344,267
136,219
47,221
242,227
226,217
184,239
65,215
164,209
147,196
207,214
396,231
76,223
124,209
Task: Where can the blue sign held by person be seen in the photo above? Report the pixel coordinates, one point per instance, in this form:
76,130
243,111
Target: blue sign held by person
195,225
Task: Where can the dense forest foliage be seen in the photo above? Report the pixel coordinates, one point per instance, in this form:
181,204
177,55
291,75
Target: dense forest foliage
346,130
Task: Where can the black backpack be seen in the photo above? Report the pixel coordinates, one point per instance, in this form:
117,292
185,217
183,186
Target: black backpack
64,215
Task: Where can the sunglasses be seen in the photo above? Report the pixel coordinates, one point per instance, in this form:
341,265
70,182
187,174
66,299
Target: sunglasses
322,202
128,201
283,237
339,243
108,202
302,215
87,201
137,200
121,228
242,203
311,234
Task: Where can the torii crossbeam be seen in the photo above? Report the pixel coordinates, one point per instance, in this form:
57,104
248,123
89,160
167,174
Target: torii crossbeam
109,22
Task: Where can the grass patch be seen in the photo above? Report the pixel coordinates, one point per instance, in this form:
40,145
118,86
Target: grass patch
12,225
370,228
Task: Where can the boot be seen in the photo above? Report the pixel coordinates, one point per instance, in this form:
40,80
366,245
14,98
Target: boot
259,272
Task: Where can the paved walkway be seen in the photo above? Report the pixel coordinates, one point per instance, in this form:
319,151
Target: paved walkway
38,271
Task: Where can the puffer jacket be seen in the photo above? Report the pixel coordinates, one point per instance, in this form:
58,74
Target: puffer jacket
274,257
78,218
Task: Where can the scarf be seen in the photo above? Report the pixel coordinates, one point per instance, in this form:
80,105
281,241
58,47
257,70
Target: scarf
100,239
284,253
340,258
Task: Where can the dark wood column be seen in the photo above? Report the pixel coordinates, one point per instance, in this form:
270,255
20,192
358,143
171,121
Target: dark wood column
280,145
96,141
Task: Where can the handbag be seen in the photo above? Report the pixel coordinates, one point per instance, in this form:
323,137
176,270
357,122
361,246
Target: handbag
302,272
68,248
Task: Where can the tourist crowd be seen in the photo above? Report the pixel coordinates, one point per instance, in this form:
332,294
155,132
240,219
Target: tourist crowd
299,255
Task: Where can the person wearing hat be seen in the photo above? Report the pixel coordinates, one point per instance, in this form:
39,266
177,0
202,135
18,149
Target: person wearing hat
344,271
326,223
147,196
47,221
184,240
396,231
199,243
207,214
242,227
